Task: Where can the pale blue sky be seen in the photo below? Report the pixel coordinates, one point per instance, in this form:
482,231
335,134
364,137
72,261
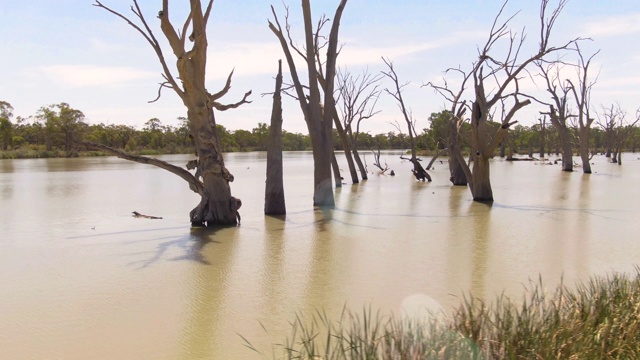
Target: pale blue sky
69,51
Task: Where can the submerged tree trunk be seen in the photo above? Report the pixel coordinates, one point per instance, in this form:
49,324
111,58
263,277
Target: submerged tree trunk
337,178
319,122
274,203
458,177
346,145
217,206
361,167
456,171
543,129
567,151
584,150
481,186
433,159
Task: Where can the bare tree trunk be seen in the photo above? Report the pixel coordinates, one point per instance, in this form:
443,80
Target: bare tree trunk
458,176
543,129
433,159
584,150
481,187
274,203
567,151
346,145
337,178
217,206
361,167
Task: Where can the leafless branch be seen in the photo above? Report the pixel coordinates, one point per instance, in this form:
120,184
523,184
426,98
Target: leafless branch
162,85
194,184
221,107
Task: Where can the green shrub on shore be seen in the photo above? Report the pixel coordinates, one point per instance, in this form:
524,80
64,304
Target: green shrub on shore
39,152
597,319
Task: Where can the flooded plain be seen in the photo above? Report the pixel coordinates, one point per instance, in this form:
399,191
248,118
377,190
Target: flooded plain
80,278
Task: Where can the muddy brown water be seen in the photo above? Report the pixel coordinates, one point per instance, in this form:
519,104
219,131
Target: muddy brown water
80,278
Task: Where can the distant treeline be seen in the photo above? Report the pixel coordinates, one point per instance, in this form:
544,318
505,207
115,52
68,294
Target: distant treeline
51,133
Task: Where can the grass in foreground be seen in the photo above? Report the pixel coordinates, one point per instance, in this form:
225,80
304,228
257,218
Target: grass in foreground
597,319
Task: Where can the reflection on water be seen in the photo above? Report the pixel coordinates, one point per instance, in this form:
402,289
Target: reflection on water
84,279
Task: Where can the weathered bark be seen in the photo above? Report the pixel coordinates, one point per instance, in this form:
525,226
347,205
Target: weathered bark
456,171
337,178
217,206
274,202
481,186
565,143
584,149
418,171
361,167
458,177
346,145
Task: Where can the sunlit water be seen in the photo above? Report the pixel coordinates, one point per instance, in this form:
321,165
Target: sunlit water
80,278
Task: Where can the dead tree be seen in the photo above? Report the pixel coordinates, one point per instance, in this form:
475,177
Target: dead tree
274,203
217,206
559,112
418,171
346,146
505,72
456,120
376,162
615,122
357,100
582,96
542,123
607,120
319,122
337,177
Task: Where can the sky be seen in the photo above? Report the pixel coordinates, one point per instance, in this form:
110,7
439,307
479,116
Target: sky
70,51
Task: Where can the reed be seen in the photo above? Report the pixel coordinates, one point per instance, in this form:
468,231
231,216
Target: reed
596,319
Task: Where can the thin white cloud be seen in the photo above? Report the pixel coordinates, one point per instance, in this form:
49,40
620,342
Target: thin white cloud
368,55
77,76
250,59
615,25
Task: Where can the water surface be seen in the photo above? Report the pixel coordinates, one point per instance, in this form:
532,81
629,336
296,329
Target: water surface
80,278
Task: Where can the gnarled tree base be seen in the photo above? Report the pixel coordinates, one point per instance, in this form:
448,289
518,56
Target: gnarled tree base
419,172
212,212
